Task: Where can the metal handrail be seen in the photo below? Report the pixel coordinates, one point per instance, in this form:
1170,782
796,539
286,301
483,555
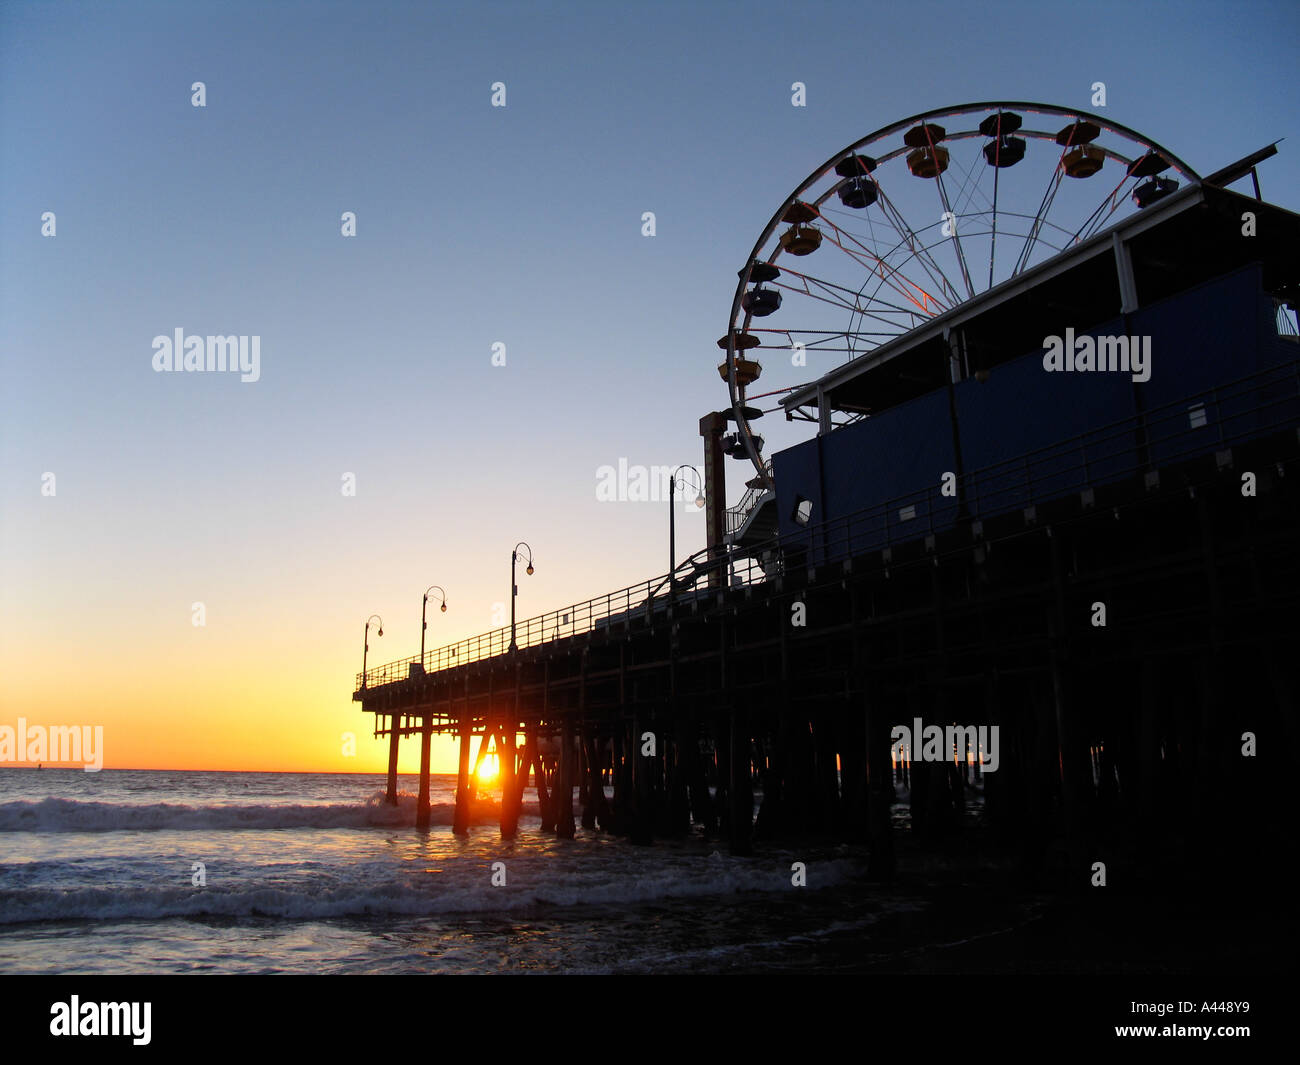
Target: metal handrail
1048,473
735,516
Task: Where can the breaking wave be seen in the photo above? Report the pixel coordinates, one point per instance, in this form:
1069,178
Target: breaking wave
70,815
465,891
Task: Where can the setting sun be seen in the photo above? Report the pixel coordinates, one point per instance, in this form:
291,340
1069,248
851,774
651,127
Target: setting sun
487,770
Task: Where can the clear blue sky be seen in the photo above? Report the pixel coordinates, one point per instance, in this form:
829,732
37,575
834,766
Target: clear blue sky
476,225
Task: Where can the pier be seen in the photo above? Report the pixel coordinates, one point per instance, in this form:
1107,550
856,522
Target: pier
689,701
1102,570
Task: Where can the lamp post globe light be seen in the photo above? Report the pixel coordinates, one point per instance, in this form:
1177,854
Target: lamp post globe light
424,608
365,644
672,520
514,588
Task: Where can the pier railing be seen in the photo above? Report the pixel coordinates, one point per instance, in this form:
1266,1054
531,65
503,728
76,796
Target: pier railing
1197,424
627,604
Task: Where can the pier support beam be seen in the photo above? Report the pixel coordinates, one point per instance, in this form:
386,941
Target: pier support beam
484,741
545,799
1074,772
509,792
564,828
642,784
545,805
422,806
464,798
394,740
880,785
741,791
598,813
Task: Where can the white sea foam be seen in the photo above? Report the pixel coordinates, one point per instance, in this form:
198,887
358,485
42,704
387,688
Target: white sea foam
70,815
605,883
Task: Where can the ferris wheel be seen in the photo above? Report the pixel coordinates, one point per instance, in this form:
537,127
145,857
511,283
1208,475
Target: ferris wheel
913,220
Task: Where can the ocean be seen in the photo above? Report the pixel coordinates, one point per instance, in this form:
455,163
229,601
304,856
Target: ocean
126,871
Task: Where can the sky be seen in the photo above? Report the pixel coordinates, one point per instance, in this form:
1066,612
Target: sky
476,226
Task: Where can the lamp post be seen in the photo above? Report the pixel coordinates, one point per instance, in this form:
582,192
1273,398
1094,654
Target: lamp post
514,588
672,522
426,731
424,607
365,645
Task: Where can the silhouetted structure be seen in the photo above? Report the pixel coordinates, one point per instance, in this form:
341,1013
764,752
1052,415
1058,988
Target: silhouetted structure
969,598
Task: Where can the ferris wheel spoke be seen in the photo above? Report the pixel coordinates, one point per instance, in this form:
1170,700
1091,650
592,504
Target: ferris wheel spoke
913,293
1022,262
1097,219
908,237
827,335
948,213
833,291
993,237
1099,215
881,262
889,274
854,304
969,187
956,237
837,300
921,251
876,315
848,305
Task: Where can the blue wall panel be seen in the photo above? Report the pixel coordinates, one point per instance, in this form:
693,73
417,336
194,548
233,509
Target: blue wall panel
1203,339
901,452
797,473
1215,333
1023,407
895,453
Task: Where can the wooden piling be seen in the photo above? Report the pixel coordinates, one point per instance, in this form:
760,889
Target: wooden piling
590,780
677,809
564,828
464,797
422,804
622,773
545,798
880,785
741,790
854,776
1074,773
598,812
509,793
583,777
642,802
394,739
702,811
488,732
827,774
545,802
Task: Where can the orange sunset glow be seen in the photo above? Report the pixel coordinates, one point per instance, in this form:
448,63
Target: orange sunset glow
265,683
